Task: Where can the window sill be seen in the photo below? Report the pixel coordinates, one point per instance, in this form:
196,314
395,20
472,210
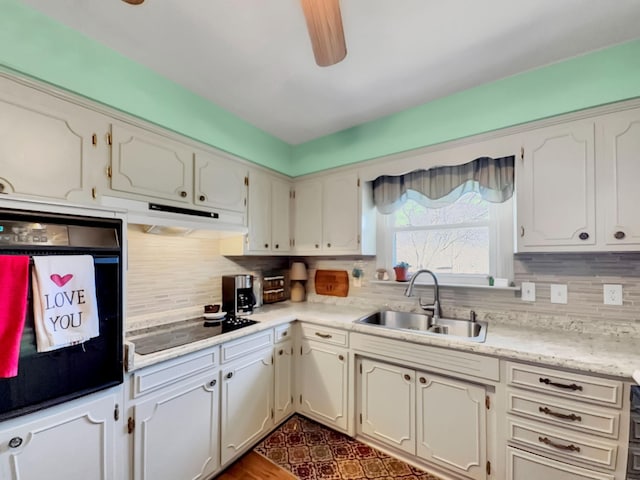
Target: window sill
445,285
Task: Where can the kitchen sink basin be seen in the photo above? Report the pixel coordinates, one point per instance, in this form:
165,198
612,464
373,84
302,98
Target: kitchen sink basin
420,323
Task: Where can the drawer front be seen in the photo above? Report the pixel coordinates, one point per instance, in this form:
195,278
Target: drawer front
283,332
245,345
527,466
564,444
568,385
151,378
565,413
325,334
634,460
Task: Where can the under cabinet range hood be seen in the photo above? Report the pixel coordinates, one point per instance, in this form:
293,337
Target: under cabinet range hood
159,218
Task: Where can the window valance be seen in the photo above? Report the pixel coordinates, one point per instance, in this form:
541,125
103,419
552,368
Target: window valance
492,178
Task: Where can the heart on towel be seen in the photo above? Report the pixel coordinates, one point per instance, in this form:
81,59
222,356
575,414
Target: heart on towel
61,281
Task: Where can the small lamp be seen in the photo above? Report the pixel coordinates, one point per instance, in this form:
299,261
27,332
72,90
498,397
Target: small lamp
298,275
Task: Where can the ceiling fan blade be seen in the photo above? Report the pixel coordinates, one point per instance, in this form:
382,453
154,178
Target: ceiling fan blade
324,23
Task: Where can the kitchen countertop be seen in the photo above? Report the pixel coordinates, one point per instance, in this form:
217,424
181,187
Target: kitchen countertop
616,356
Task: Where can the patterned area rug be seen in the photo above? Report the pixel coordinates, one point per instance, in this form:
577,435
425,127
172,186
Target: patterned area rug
311,451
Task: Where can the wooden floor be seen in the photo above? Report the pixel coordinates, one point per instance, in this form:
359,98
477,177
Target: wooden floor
253,466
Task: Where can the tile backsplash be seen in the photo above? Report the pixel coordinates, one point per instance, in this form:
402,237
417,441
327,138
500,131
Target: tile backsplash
170,273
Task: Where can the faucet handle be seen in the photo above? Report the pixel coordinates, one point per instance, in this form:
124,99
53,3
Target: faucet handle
472,316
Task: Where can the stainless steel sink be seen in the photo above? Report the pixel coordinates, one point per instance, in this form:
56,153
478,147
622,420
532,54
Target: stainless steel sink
416,322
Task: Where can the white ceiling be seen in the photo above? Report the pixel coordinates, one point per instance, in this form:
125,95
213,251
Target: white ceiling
253,57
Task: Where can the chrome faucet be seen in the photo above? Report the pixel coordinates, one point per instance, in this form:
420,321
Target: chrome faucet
434,307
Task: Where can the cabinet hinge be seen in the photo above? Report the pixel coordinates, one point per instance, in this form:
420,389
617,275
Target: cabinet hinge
358,182
294,194
358,239
300,399
301,350
94,140
487,402
488,468
116,413
360,419
109,142
360,368
109,171
272,413
245,202
271,359
521,153
246,181
292,399
94,193
131,425
293,242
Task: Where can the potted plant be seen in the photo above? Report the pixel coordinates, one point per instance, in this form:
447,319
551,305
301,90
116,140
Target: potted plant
402,270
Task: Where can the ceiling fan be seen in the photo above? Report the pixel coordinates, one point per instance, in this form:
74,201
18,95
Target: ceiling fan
324,23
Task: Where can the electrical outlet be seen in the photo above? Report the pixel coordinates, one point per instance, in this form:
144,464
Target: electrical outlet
558,293
528,291
612,294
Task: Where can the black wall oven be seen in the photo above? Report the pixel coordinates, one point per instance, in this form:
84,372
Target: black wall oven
49,378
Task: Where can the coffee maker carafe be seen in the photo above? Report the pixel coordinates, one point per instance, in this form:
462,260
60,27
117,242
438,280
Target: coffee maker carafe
237,294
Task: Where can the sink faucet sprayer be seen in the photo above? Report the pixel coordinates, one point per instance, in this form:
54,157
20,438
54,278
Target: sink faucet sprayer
434,308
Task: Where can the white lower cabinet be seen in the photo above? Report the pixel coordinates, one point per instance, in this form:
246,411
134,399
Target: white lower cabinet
322,383
439,419
75,441
176,432
283,381
247,403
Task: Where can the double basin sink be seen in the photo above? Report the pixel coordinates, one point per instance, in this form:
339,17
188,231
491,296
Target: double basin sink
417,322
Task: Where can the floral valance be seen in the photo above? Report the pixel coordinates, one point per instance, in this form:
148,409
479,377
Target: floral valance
492,178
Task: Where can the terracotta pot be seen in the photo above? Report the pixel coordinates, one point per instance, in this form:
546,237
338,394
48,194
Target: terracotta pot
401,274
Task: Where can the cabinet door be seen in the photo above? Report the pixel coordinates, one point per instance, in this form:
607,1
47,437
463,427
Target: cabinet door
387,404
341,213
323,383
46,145
151,165
283,371
527,466
307,220
247,403
556,188
76,444
280,215
451,422
176,432
220,182
618,182
259,212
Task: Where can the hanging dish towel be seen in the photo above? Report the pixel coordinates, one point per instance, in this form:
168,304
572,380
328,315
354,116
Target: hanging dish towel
14,283
65,310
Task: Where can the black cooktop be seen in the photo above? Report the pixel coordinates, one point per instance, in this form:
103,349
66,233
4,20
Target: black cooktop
162,337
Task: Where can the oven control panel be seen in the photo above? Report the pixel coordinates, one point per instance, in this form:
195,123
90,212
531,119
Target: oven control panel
26,233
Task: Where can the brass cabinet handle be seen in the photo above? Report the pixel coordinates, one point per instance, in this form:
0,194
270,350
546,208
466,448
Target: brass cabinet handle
15,442
522,231
202,198
340,357
619,235
266,245
277,245
284,334
583,236
571,447
230,374
407,377
280,352
183,194
212,383
573,417
329,245
423,380
317,246
323,335
572,386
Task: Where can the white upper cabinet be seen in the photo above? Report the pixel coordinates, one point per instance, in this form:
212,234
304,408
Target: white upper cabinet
150,165
333,214
619,171
259,212
556,187
220,183
49,147
280,215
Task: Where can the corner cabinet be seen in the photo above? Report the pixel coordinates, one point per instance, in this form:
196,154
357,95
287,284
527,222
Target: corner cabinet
74,441
333,214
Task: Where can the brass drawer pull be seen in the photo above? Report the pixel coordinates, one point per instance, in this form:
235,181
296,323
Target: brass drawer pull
407,377
573,417
323,335
571,447
341,357
573,386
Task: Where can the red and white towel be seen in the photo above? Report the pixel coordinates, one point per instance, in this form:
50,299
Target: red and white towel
65,310
14,283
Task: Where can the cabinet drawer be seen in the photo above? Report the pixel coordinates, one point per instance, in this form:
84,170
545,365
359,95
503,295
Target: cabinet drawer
325,335
527,466
569,385
283,332
245,345
565,413
564,444
165,373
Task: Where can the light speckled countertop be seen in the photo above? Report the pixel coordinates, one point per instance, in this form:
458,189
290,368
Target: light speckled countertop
616,356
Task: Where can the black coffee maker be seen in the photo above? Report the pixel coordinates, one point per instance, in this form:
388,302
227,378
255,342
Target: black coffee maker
237,294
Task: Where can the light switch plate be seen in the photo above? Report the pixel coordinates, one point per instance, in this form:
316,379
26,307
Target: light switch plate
528,291
558,293
612,294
